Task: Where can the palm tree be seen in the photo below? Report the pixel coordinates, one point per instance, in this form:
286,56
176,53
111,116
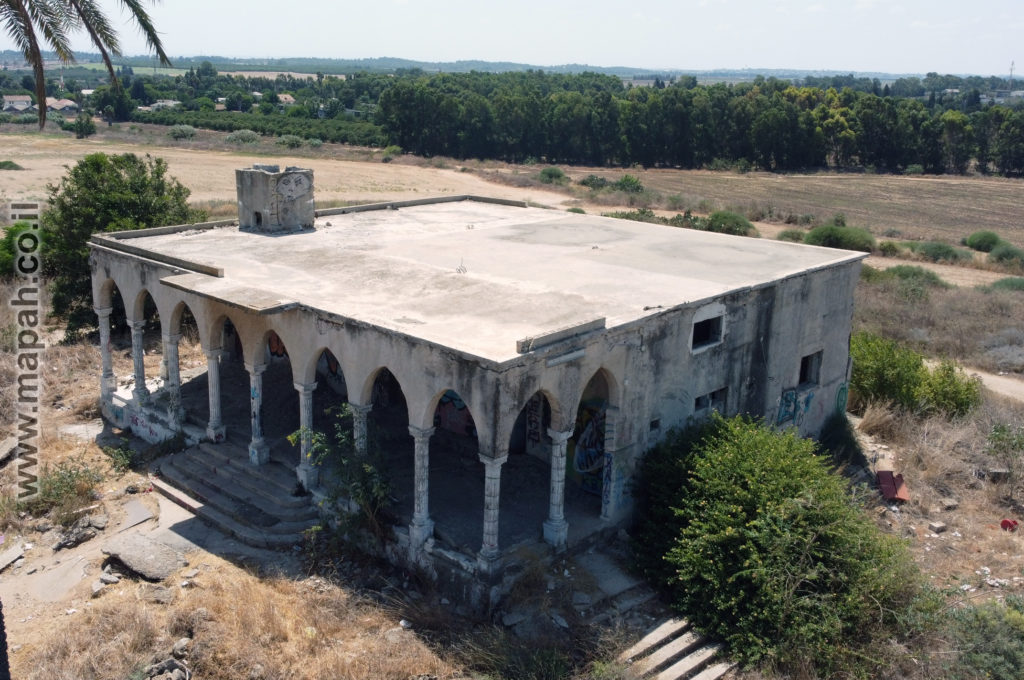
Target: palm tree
54,20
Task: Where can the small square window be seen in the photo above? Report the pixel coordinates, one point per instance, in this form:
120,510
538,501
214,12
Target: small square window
810,369
706,332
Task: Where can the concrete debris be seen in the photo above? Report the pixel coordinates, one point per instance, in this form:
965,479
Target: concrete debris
150,559
180,649
937,527
79,532
169,669
97,587
11,555
158,594
109,578
559,620
512,618
950,504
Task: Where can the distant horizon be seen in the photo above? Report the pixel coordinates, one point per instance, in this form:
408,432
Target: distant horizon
854,36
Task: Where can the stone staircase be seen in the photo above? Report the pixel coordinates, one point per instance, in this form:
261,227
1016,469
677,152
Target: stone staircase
257,505
673,651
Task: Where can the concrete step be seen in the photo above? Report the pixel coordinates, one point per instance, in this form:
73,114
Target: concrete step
658,636
229,526
715,671
243,476
664,654
689,663
249,515
232,455
284,508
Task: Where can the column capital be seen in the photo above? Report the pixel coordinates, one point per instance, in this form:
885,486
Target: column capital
213,354
103,312
256,369
559,437
171,338
421,433
493,461
137,325
305,387
360,408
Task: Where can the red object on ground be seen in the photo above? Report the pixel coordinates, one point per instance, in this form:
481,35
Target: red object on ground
1009,524
893,488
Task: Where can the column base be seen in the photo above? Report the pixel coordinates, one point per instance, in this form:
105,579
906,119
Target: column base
419,532
489,562
309,476
216,433
140,395
556,533
259,452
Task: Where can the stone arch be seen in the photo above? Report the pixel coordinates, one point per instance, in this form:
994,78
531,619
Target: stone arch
218,337
588,454
384,392
325,368
183,321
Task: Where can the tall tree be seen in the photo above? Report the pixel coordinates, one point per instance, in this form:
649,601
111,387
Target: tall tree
55,20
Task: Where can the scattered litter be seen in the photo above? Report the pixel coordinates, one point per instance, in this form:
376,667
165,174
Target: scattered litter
892,486
1009,525
405,623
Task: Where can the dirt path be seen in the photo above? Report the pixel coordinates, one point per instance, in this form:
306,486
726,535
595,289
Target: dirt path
1006,385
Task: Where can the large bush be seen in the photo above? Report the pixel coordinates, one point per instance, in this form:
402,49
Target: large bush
769,553
847,238
884,370
983,241
725,222
1004,253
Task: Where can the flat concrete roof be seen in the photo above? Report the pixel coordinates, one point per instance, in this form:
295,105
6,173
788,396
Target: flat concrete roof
477,277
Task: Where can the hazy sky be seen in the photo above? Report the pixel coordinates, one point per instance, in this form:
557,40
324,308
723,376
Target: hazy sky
895,36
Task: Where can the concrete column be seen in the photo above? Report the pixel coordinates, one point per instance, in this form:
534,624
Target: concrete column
215,428
422,526
259,452
175,414
307,472
108,382
360,418
140,392
488,557
556,529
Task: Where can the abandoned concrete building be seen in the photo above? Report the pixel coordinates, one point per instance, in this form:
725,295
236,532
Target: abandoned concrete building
518,361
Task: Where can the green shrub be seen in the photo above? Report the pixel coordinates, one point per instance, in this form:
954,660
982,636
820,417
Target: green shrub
393,150
8,246
1015,283
915,274
64,489
847,238
315,143
629,184
594,182
552,175
83,126
121,457
773,557
939,252
946,389
725,222
990,639
578,211
794,235
5,118
884,371
889,248
982,241
10,165
243,137
290,141
914,169
181,132
1004,253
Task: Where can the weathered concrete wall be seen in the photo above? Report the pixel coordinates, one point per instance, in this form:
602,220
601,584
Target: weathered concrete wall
271,201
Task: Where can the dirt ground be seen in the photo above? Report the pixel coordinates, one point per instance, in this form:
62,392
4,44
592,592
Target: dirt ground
210,175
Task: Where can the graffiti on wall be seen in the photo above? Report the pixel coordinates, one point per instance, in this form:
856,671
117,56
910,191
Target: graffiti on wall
329,371
842,395
793,406
588,454
452,415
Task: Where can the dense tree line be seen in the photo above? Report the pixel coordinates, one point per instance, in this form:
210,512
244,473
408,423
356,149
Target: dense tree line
595,119
770,124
